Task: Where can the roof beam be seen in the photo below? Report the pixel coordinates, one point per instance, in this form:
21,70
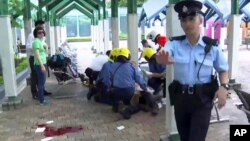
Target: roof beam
66,5
43,3
77,7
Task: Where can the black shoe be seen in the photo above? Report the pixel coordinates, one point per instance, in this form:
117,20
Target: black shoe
89,95
154,111
97,98
143,107
125,113
35,97
115,109
47,93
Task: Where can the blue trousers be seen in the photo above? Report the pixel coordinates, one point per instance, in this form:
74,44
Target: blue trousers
41,78
122,94
104,96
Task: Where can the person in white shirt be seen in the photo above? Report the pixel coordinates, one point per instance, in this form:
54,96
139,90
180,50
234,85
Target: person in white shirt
30,54
93,70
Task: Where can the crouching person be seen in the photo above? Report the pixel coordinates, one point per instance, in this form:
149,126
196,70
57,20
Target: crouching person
92,72
103,95
122,81
157,80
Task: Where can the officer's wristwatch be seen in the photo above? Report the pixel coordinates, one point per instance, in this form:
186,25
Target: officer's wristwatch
225,86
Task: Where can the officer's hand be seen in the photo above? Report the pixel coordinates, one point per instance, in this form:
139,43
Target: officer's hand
163,58
221,94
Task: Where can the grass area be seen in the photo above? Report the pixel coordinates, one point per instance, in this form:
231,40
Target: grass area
79,39
88,39
20,65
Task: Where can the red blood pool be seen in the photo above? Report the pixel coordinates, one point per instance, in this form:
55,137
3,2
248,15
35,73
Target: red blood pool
53,131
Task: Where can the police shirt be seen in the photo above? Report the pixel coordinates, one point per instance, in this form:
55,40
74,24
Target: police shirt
188,59
104,74
155,67
125,76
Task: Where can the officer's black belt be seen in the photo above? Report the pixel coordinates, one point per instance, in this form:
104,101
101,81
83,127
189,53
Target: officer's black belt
190,89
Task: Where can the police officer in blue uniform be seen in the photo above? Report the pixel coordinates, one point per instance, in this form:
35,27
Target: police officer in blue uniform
123,78
122,82
157,80
194,57
103,77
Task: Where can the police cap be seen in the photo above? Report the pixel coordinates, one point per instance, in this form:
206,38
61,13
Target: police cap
188,8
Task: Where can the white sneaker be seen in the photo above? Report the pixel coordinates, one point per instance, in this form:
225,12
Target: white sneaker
164,101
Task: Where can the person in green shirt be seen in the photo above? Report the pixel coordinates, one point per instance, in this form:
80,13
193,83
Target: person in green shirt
40,62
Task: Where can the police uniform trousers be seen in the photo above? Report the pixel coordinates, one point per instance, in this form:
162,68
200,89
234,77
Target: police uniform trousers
192,117
103,96
122,94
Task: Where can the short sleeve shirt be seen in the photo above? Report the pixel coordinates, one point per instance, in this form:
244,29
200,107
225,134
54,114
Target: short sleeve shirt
189,67
38,44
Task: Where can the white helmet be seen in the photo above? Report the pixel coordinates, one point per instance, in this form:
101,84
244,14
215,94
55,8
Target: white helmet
152,35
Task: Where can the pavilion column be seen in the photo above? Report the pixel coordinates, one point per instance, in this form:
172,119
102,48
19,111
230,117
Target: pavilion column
27,19
92,33
14,37
96,37
133,30
100,34
106,32
234,42
6,53
115,24
173,28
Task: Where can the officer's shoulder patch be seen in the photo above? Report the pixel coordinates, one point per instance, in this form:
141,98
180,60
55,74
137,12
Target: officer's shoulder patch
177,38
210,41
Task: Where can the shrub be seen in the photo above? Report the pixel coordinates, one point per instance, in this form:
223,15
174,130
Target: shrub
1,80
20,65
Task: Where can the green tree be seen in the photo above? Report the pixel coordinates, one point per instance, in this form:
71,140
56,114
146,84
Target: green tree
123,3
16,9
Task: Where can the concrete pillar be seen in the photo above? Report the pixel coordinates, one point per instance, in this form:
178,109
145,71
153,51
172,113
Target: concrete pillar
139,37
106,34
173,28
100,34
223,36
57,33
14,37
115,32
63,34
52,40
92,36
27,28
233,46
132,36
7,57
212,32
47,37
23,36
97,37
133,30
115,24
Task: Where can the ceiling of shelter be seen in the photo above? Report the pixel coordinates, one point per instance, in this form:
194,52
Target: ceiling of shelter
213,9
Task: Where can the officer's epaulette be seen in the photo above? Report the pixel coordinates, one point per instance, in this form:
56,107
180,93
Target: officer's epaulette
210,41
177,38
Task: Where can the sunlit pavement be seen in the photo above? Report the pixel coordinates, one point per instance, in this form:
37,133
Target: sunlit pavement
98,121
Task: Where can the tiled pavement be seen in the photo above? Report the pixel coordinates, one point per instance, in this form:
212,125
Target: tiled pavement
98,121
